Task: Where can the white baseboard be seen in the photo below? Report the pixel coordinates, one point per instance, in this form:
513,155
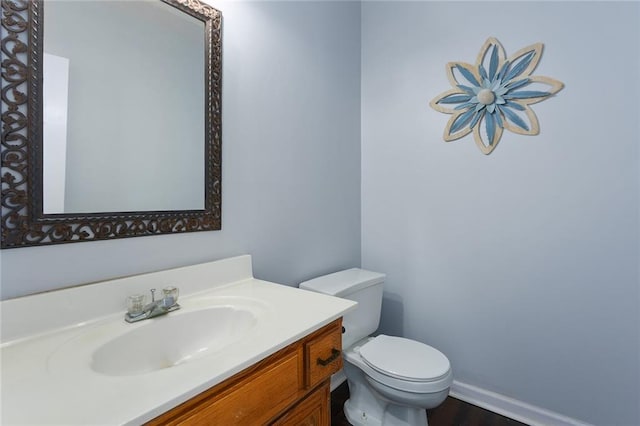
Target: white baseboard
509,407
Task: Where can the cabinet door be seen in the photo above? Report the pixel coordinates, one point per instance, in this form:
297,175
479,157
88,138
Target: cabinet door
311,411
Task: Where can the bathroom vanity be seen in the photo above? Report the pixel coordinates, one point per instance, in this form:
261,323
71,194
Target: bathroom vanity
290,387
239,351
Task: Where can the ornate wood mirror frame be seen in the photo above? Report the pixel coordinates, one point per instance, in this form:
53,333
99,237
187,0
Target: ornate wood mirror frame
23,221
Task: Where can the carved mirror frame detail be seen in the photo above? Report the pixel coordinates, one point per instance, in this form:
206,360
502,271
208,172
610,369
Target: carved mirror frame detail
23,222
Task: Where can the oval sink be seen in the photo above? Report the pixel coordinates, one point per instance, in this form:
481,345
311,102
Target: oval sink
171,340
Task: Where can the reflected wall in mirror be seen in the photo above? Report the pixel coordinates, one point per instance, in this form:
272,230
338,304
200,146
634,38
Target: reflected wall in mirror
136,102
111,122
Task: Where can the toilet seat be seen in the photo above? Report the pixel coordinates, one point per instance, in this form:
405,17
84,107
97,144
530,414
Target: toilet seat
405,359
353,355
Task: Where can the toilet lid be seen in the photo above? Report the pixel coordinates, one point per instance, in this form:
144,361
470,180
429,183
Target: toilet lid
404,358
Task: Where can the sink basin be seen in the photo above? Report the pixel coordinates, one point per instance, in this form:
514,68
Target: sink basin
171,340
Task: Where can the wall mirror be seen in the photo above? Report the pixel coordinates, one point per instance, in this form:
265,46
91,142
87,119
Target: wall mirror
111,119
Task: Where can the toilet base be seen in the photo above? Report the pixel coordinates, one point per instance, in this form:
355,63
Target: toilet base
393,415
367,407
357,417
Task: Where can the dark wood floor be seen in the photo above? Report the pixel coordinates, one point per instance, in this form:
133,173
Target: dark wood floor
452,412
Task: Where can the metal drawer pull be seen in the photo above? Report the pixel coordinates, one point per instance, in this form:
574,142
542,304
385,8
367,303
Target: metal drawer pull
334,354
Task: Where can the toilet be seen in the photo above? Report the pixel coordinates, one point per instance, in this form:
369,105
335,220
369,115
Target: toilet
392,380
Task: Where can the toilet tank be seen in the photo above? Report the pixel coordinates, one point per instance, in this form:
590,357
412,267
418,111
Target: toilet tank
362,286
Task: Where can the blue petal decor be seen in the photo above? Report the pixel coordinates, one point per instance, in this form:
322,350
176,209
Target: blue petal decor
494,92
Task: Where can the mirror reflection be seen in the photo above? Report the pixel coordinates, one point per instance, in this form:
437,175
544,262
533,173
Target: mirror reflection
123,108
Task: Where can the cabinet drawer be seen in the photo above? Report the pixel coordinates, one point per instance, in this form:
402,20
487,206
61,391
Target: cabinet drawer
323,355
254,400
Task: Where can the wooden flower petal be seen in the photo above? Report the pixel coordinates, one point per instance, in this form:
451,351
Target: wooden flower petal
468,69
534,126
554,86
448,136
531,65
487,48
445,108
486,147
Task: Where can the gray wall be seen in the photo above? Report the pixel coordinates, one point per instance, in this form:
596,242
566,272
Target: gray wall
521,266
291,159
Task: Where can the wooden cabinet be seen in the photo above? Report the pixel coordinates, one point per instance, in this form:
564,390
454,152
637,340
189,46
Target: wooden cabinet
313,410
288,388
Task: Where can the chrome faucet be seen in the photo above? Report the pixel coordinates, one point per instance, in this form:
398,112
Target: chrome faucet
138,311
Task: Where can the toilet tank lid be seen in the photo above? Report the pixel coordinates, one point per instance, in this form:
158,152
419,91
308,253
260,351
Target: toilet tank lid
343,282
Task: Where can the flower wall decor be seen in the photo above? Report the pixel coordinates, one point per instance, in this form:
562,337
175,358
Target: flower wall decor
494,94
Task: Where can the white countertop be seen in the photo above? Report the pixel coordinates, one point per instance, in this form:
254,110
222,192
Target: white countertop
46,375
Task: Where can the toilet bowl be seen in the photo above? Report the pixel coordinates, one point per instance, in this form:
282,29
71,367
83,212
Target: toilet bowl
392,380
